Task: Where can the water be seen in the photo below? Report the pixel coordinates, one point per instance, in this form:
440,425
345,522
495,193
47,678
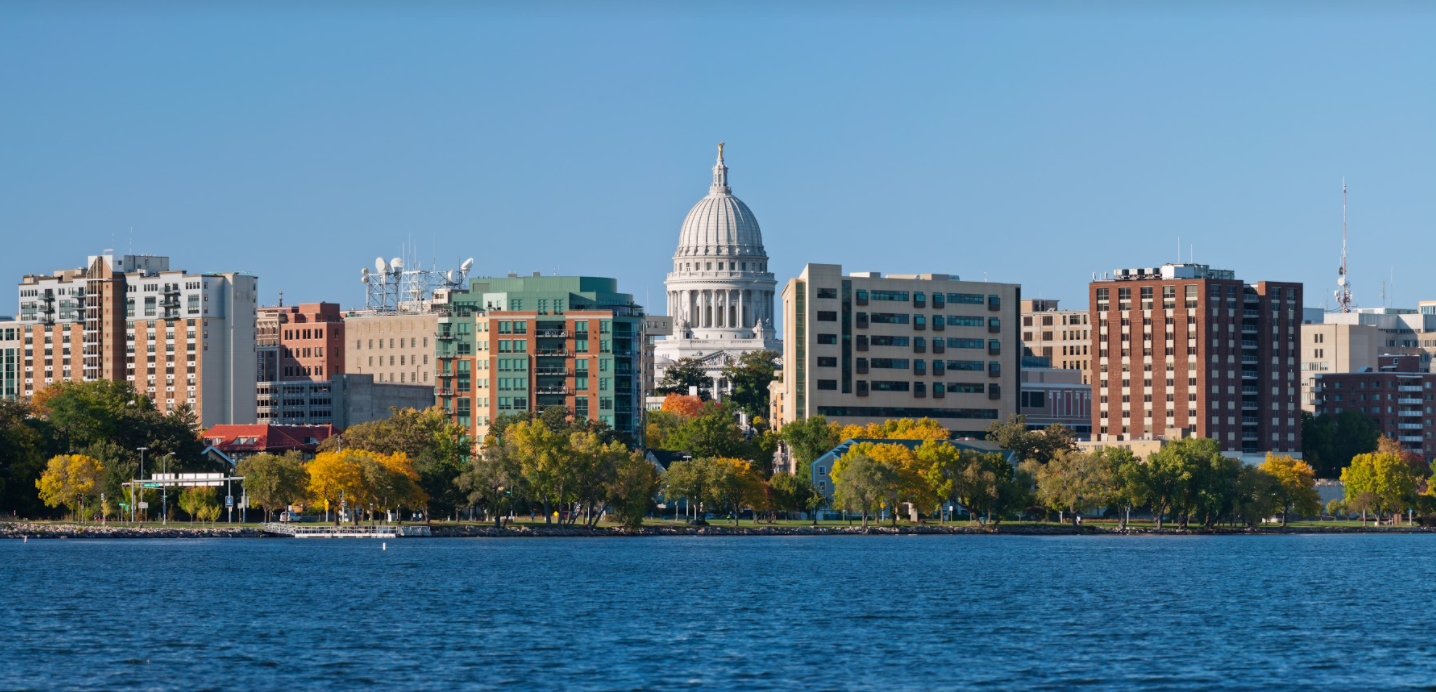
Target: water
789,613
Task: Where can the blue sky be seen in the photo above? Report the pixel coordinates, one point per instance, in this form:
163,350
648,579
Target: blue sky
1032,143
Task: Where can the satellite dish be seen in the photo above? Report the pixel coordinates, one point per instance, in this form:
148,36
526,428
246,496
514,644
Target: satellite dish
449,275
380,266
365,278
1340,281
364,271
396,263
467,265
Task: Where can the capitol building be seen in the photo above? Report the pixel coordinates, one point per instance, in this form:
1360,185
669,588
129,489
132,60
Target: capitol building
720,293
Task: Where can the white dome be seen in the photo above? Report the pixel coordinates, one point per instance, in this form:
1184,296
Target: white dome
720,224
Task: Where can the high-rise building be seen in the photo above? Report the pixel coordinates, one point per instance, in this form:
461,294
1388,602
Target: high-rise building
310,337
12,338
1395,394
518,344
720,292
1060,337
182,339
1185,350
865,348
1334,348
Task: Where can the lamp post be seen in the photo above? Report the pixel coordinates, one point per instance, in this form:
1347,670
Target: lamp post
136,506
165,494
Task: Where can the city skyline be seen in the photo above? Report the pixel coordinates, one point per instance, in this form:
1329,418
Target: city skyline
978,139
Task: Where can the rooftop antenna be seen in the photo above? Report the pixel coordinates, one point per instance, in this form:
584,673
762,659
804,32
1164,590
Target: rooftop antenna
1343,284
1179,249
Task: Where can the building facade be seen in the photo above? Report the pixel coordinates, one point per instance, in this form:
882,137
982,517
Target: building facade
12,340
720,292
865,348
1185,350
310,337
1396,394
519,344
1335,348
393,347
341,401
1062,337
1053,397
182,339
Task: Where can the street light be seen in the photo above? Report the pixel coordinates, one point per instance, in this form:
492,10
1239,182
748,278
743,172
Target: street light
136,503
165,493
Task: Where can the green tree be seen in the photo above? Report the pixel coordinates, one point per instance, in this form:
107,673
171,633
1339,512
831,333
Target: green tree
1356,434
492,480
546,463
862,484
715,434
197,501
810,438
1129,481
1073,481
1173,475
748,380
1295,485
26,440
274,482
1038,445
688,480
1318,444
631,489
683,375
796,493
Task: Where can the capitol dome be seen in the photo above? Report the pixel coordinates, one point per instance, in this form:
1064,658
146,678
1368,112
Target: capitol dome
720,225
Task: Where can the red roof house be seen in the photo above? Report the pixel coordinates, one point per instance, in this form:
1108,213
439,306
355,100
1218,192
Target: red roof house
237,441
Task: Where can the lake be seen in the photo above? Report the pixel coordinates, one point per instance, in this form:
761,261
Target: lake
771,613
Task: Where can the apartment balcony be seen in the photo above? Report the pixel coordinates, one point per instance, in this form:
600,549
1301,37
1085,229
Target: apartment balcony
444,391
1250,406
560,352
1250,437
1409,402
1410,426
445,337
551,334
1249,374
1409,414
552,390
1408,388
1249,360
1411,438
1250,329
552,371
1246,389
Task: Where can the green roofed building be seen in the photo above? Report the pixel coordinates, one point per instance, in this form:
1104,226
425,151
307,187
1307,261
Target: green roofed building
518,344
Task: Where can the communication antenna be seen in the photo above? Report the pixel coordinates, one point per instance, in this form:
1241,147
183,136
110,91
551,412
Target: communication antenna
1343,283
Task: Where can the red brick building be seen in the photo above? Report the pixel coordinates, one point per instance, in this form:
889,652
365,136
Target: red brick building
1185,350
1396,395
238,441
310,338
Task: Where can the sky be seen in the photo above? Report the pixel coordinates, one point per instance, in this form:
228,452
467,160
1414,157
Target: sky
1034,143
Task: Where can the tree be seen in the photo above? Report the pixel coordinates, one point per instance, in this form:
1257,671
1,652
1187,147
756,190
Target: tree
861,484
1318,444
1171,472
274,482
1335,507
683,375
1073,481
631,489
491,480
714,434
688,480
336,478
25,442
748,380
684,405
796,493
896,429
1039,446
196,502
1295,485
1129,481
544,461
733,485
1255,493
68,480
1381,482
810,438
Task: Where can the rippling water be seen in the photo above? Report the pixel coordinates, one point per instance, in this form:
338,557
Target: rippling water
794,613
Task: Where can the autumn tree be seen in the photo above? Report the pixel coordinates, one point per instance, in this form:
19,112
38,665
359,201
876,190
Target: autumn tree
1040,446
896,429
492,480
196,501
748,379
734,485
631,489
68,480
336,478
435,445
1295,485
796,493
1380,482
684,405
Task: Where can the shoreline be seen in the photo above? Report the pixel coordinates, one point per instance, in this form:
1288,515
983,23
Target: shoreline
25,530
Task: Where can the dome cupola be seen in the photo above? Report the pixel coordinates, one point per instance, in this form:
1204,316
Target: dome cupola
720,225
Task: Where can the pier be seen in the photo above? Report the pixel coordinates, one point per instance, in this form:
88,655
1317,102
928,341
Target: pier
345,531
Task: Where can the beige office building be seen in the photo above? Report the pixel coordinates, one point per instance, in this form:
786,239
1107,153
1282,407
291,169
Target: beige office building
864,348
1333,349
393,347
1061,336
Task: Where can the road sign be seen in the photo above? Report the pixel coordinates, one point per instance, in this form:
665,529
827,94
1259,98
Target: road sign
143,505
152,485
228,500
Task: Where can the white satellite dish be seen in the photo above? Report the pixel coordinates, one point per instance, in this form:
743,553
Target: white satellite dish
380,266
396,263
365,278
365,270
1340,281
467,265
449,275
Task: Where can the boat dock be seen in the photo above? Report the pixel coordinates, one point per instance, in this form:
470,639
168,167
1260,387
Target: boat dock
346,531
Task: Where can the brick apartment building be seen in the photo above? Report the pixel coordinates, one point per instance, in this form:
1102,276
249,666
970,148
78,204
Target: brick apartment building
1185,350
1396,394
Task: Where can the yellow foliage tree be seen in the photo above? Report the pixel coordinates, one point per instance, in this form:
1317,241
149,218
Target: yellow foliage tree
912,479
896,429
1295,484
335,476
68,479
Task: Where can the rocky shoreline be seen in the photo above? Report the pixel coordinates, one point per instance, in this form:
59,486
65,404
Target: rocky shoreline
18,530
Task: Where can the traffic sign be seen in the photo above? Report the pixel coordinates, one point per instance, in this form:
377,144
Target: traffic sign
143,505
228,500
152,485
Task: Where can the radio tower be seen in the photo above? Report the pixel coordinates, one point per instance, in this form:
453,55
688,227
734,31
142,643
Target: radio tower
1343,290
